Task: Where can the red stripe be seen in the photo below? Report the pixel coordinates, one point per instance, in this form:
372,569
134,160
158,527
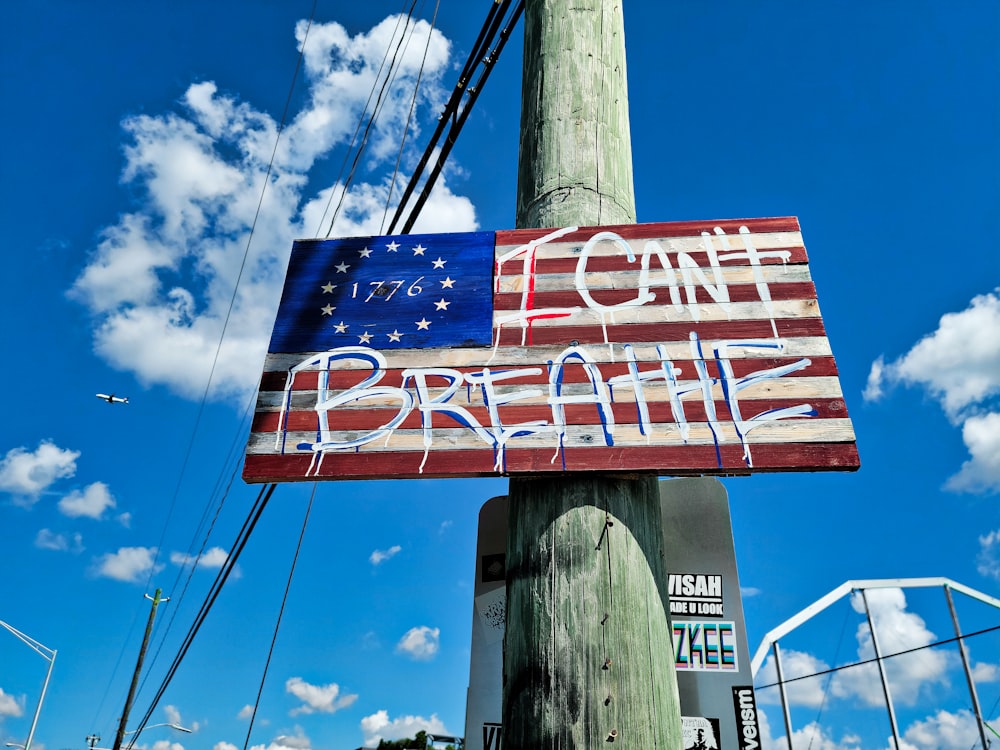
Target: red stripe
517,237
640,333
796,290
614,263
679,461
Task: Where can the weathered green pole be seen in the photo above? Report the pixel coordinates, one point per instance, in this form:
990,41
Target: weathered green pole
587,651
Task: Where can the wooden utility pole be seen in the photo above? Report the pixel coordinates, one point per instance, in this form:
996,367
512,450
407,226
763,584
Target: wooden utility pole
588,656
120,734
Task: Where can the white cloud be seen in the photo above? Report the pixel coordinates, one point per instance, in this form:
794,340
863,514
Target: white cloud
224,746
873,387
988,559
90,503
380,555
27,474
298,742
378,727
10,706
794,664
981,473
131,564
814,736
942,731
908,674
958,365
984,672
420,643
167,745
286,742
324,699
246,712
47,539
213,558
160,282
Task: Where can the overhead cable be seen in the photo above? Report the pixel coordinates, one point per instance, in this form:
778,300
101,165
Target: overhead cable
492,38
409,117
281,612
390,76
490,42
884,657
232,302
248,526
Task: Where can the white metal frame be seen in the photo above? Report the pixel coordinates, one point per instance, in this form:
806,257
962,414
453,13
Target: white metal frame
770,641
49,654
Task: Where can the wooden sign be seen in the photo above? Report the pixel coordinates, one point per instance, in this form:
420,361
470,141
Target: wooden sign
672,348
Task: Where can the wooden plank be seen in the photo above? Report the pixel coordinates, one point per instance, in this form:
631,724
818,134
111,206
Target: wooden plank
686,461
793,347
626,276
723,326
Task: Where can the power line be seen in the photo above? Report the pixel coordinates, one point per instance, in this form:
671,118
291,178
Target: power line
281,612
885,657
490,34
390,76
243,537
409,117
490,43
204,398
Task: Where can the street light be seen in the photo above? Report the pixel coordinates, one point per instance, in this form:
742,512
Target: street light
49,655
178,727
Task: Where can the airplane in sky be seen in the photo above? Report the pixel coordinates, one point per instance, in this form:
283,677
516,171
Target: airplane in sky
112,398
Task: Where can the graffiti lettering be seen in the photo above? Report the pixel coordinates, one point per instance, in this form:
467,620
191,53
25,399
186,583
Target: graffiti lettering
745,706
686,276
705,646
492,736
415,393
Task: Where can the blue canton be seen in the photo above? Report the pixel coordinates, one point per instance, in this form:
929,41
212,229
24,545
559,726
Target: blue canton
393,292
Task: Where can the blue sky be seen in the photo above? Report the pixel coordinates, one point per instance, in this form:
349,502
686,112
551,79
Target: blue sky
138,136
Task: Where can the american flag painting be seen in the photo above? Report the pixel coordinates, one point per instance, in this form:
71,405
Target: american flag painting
671,348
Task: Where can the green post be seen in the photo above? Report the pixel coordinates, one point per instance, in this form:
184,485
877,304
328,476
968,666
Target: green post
588,650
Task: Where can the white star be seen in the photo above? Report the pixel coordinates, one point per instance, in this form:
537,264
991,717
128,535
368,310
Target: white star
423,324
442,305
328,288
447,282
364,253
395,335
392,246
439,263
341,327
328,310
342,268
364,338
419,250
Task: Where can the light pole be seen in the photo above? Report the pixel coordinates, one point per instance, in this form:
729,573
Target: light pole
49,655
178,727
137,732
